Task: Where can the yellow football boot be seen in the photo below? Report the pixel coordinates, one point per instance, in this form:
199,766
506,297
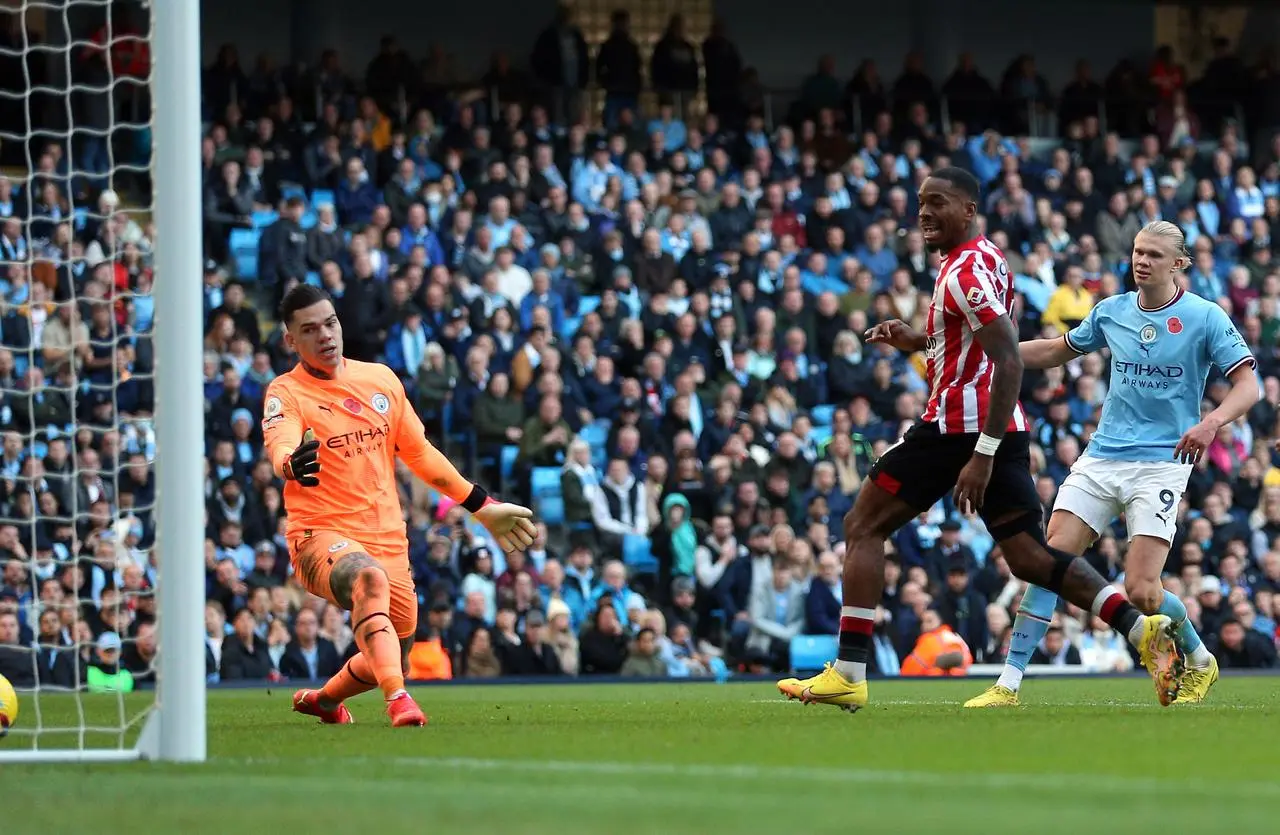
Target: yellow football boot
997,695
1160,656
1196,682
828,687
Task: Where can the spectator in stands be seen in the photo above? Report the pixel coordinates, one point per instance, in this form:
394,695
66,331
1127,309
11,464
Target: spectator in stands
228,204
824,598
561,638
938,651
1239,648
309,656
1103,650
776,615
962,608
618,506
1056,650
536,655
245,654
480,660
15,658
603,644
282,251
481,581
545,436
642,658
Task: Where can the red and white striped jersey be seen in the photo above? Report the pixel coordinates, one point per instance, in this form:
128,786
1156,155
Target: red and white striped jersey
973,289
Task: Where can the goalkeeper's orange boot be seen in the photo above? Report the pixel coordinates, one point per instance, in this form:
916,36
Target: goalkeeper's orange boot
404,712
308,702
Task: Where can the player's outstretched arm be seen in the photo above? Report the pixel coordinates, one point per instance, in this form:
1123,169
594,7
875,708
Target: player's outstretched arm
898,334
292,451
1046,353
511,524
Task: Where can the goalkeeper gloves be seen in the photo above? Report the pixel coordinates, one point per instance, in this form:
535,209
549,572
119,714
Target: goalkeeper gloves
303,465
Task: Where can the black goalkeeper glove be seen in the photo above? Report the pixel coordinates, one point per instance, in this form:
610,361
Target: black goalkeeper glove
303,465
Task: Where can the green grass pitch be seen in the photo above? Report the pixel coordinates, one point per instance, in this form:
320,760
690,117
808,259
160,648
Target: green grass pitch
1079,756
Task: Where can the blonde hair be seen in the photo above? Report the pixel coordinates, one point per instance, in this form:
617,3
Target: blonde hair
1171,233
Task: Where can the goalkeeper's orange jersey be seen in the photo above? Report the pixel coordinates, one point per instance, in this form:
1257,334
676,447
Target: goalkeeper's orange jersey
363,422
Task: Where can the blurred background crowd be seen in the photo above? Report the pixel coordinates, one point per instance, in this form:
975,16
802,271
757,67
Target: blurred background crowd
620,287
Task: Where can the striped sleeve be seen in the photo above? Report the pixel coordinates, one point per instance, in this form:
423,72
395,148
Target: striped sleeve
973,290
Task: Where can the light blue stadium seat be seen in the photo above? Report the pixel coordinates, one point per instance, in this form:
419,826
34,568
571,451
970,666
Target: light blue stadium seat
313,278
550,510
292,190
321,196
507,464
309,219
588,304
810,652
261,220
569,327
80,215
638,554
820,435
597,435
822,415
545,481
244,250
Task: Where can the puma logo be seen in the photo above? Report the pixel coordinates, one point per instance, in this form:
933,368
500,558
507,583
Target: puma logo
326,409
371,632
1162,518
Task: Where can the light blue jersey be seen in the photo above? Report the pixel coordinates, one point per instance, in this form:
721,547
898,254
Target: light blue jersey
1160,363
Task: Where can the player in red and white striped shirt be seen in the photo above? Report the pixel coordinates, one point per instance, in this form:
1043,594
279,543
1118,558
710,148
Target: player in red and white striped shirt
974,288
973,441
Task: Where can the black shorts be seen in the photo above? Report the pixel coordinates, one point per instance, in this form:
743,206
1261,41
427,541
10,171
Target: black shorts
924,466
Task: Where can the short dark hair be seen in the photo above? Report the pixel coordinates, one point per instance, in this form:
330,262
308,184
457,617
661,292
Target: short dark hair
300,297
960,179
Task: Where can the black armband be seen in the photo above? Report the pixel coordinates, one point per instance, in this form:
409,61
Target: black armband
476,499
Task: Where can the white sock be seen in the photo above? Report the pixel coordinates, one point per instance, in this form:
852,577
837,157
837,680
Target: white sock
1200,657
1011,678
397,694
855,671
1135,634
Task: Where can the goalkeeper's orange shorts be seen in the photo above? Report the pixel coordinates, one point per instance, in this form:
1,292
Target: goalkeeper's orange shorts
314,553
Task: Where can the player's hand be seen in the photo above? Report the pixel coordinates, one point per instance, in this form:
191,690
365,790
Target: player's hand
893,332
971,486
303,466
511,525
1196,442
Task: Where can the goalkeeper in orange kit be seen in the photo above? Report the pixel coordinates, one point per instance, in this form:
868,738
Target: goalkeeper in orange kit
333,429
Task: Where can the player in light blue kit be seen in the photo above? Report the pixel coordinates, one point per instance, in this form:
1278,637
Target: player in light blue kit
1163,341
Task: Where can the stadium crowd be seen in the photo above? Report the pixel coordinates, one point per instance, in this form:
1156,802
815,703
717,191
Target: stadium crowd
650,328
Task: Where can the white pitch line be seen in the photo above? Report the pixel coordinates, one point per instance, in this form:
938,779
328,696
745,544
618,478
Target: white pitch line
1103,784
934,703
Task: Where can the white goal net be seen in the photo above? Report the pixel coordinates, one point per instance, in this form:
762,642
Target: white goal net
99,380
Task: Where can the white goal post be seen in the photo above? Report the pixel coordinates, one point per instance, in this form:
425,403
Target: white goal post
171,726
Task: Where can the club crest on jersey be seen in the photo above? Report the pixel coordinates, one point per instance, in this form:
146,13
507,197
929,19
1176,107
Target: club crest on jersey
381,403
1174,324
1147,334
352,405
273,407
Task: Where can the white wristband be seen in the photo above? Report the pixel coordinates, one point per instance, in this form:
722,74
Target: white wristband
986,445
